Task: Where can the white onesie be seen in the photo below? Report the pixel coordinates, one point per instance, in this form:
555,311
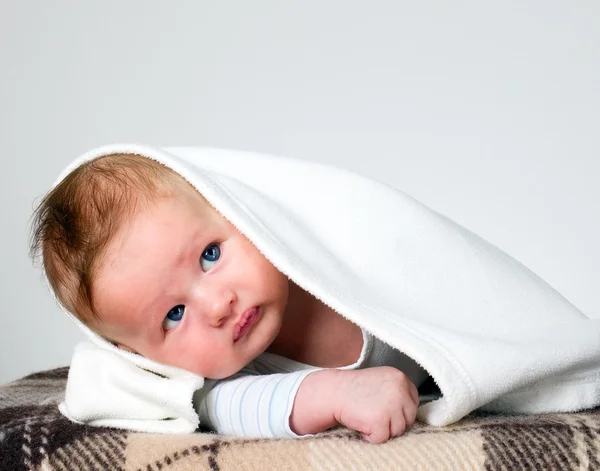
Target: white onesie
258,401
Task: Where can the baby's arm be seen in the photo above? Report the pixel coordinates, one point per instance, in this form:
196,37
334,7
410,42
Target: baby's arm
250,404
379,402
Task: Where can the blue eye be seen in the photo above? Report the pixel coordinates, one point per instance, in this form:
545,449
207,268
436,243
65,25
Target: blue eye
173,317
209,257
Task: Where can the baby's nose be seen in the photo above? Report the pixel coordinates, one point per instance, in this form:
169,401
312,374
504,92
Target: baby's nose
218,304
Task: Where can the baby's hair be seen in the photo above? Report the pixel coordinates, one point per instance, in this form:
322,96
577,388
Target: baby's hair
75,222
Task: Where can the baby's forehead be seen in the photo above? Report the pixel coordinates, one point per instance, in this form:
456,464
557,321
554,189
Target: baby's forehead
185,214
189,195
183,189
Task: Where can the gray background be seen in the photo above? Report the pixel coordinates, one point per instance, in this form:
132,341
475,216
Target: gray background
487,113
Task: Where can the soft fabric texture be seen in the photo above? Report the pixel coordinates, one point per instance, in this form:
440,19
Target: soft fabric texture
489,331
34,436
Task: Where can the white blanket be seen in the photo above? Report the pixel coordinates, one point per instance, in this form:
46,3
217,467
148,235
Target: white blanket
489,331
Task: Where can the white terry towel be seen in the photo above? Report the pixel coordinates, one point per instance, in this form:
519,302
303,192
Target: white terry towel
489,331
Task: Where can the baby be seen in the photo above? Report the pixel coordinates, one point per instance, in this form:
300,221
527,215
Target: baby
140,257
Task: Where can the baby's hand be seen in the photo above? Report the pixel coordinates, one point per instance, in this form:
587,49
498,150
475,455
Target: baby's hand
379,402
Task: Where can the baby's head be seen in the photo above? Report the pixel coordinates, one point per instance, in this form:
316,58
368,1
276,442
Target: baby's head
139,256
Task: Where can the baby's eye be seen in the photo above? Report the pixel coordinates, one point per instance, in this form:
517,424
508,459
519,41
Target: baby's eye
173,317
210,256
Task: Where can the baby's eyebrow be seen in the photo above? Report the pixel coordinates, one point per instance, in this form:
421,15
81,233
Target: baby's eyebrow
151,313
183,254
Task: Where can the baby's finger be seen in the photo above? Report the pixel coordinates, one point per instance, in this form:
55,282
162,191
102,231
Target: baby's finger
378,434
410,413
414,393
397,425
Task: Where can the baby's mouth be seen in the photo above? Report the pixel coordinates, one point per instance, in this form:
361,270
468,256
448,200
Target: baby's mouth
247,320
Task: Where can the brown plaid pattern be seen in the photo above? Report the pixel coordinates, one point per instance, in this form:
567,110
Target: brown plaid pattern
34,436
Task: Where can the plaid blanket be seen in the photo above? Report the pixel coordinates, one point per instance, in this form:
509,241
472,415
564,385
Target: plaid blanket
35,436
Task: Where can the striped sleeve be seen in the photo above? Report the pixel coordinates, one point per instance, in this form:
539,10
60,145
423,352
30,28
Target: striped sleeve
251,405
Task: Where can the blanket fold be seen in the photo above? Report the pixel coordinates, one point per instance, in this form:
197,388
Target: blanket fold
488,330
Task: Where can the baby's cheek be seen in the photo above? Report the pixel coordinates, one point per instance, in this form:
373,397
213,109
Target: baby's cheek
209,362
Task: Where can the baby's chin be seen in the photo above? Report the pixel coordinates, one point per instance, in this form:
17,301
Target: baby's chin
221,372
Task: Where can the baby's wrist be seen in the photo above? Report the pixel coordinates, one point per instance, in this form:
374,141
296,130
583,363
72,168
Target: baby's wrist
315,403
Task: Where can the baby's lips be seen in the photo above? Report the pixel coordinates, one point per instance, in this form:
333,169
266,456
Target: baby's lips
246,320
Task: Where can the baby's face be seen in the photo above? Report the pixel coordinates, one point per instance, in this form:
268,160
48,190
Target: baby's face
180,285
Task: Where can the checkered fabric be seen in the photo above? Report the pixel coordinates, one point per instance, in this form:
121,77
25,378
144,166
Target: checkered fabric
35,436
